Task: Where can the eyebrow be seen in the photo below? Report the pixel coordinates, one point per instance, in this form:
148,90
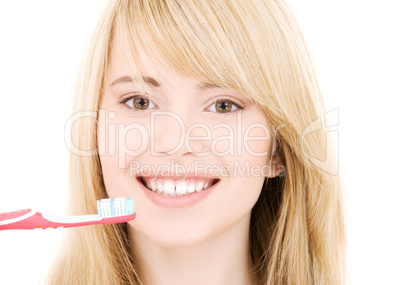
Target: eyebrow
209,85
128,79
155,83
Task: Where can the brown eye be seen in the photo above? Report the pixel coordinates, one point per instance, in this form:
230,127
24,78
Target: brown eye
223,106
140,103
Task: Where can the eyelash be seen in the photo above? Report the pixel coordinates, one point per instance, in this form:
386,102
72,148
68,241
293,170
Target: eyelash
218,100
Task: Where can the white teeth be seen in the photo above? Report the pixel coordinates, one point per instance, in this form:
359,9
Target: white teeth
206,185
160,187
191,188
154,187
148,185
181,188
199,187
168,187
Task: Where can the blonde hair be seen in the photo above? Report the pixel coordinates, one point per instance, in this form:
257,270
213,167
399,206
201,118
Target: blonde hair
297,232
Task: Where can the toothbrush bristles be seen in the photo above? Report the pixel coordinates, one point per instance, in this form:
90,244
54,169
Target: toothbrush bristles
115,207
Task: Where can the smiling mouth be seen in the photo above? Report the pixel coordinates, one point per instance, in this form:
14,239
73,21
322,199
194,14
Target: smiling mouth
177,187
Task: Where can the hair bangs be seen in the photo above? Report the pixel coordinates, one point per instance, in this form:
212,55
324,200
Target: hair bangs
194,39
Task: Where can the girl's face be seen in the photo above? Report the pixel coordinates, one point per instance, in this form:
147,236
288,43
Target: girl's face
192,154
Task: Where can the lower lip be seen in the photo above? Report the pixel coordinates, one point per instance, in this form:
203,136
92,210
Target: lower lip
186,201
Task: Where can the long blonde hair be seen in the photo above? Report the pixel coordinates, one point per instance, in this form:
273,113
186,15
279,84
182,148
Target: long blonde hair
297,232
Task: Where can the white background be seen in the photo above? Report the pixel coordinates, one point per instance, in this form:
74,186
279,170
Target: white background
356,48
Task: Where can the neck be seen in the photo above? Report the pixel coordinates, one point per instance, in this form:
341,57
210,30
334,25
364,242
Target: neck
223,258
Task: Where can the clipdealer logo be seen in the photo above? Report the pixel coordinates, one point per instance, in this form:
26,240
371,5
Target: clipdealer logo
118,132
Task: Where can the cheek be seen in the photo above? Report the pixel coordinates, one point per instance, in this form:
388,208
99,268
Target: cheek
133,140
253,140
257,140
244,149
120,140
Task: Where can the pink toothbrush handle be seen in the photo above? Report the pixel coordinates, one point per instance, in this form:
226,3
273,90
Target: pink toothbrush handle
27,220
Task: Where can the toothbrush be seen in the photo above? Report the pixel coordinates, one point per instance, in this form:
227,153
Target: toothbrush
110,211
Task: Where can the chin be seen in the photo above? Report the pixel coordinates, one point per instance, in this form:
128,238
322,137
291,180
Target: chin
171,235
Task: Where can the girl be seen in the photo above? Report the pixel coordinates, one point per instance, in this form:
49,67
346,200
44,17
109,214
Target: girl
201,111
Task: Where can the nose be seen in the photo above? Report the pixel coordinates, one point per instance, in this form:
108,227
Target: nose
177,134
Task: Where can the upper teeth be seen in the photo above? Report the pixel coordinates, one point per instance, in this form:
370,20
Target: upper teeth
170,187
